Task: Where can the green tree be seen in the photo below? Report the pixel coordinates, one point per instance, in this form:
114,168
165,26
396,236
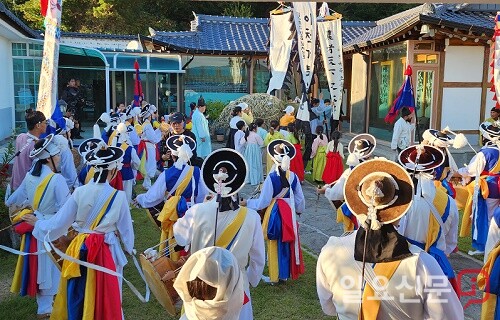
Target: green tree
238,10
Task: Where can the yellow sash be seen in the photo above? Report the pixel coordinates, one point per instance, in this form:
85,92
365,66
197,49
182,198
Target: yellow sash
111,137
41,189
466,227
39,193
440,202
232,229
90,175
168,215
72,270
138,129
341,218
489,306
371,303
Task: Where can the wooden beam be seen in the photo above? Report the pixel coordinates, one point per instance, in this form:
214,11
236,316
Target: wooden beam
440,90
486,87
462,84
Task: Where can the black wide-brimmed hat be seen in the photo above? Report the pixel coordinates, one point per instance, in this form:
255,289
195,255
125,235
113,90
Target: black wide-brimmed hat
489,130
362,144
132,111
147,110
278,148
436,134
227,162
88,145
382,185
176,141
45,148
421,157
104,155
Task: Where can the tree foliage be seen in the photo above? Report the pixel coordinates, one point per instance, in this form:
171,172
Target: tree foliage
135,16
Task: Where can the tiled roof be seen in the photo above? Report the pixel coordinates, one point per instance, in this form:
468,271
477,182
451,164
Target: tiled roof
475,18
231,35
18,23
98,36
219,35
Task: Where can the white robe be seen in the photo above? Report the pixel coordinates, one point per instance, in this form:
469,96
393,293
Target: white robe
418,278
75,212
336,192
415,224
196,229
54,198
151,137
493,238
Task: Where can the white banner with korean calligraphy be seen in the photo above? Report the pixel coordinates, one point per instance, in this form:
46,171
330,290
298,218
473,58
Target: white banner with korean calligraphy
280,48
47,91
304,14
495,49
330,40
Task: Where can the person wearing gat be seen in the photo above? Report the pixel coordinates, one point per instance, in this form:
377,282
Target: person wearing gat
101,216
45,191
223,223
379,192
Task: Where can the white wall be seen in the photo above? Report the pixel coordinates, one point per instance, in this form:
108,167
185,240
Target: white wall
464,64
6,89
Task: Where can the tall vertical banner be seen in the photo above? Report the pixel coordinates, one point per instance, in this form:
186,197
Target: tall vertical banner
47,91
330,40
304,14
495,63
279,49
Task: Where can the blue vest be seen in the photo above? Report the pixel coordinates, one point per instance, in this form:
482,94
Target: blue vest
276,181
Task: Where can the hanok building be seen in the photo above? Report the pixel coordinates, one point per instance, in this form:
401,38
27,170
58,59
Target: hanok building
226,57
448,47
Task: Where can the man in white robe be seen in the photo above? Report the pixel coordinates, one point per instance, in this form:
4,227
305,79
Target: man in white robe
47,157
207,222
150,137
379,192
200,130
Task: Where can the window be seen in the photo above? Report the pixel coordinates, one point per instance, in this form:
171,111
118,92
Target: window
19,50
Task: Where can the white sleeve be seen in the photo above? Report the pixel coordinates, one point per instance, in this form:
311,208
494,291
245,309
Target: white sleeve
59,223
451,227
19,197
475,166
493,238
125,227
439,298
183,227
298,197
336,192
68,169
155,194
135,161
257,254
395,135
325,295
340,149
265,197
202,191
62,192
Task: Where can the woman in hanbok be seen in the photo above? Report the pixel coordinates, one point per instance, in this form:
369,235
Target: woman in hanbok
334,159
101,217
147,147
45,191
238,135
297,163
272,135
253,155
318,154
232,126
282,196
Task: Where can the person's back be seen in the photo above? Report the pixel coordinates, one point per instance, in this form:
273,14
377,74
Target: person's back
416,287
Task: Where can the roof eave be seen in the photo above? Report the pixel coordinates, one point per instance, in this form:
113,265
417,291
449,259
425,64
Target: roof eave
451,24
362,46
